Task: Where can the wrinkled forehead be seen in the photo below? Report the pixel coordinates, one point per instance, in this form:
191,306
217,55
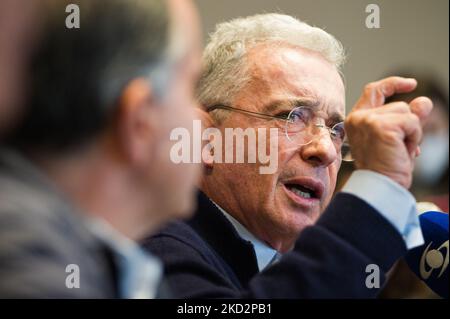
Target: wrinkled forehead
284,76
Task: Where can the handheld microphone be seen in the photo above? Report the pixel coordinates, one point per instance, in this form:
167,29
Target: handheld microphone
430,261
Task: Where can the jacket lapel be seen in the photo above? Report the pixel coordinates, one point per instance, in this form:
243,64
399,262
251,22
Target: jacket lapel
219,233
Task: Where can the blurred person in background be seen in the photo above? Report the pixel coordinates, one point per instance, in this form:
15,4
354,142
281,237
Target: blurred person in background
431,172
430,179
18,25
86,171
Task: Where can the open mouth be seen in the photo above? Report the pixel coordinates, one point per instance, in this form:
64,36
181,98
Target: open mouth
302,191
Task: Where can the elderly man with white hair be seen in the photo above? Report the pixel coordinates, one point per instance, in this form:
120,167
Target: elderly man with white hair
282,235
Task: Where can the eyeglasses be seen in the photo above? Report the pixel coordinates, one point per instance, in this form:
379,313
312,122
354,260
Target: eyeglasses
302,127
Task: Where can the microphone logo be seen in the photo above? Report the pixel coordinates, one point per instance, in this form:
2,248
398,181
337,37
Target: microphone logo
434,259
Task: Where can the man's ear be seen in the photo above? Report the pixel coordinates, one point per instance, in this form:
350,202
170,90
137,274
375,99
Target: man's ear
135,125
207,147
205,117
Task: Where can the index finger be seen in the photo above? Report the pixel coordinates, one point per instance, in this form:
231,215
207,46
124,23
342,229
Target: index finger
375,93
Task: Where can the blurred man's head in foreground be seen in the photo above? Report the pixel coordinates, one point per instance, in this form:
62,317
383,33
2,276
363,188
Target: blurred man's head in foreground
18,23
105,97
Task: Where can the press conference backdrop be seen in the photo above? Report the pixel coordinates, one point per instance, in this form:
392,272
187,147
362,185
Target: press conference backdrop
413,34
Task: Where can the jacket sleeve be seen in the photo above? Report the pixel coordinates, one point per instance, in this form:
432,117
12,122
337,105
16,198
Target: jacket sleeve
329,259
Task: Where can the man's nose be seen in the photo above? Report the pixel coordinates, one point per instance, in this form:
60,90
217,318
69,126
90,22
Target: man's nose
321,151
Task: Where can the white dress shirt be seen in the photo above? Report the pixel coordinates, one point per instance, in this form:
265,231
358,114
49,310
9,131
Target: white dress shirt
389,198
265,255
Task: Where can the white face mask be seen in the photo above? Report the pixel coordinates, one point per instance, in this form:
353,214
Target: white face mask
433,159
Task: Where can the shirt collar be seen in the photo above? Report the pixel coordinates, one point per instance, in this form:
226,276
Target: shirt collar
139,272
265,254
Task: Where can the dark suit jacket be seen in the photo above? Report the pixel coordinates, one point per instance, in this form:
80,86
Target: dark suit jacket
206,258
40,234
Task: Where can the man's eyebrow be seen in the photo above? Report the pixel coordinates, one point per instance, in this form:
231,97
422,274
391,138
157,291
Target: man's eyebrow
271,108
290,104
335,118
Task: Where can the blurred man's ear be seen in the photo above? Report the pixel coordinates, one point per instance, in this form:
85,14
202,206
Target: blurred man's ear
135,123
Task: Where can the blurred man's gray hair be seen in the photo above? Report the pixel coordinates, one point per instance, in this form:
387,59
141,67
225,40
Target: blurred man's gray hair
77,76
224,71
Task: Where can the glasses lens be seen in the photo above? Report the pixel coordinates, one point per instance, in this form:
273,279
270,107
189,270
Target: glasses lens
340,139
297,124
338,133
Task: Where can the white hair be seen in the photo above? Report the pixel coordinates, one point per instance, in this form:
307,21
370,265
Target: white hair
225,72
